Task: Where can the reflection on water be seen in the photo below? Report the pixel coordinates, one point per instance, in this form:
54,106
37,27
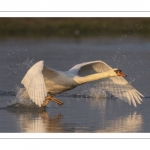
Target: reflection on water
130,123
99,115
38,123
98,103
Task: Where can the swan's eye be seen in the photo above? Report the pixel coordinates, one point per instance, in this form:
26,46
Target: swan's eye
119,73
118,70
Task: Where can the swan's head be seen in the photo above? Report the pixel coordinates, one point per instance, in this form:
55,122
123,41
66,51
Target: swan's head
116,72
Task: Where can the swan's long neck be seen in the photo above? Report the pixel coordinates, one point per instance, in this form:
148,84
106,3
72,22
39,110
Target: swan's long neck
90,78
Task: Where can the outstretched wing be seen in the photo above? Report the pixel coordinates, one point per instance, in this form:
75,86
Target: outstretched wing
117,86
34,82
88,68
120,88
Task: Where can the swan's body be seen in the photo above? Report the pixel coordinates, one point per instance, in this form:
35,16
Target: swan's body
41,80
58,81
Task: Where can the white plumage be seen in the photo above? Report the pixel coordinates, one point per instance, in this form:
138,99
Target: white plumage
34,83
41,80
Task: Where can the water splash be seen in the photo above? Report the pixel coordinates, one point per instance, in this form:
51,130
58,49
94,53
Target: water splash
97,92
132,80
29,63
22,101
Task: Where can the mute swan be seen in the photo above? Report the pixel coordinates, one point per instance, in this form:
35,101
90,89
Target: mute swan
42,82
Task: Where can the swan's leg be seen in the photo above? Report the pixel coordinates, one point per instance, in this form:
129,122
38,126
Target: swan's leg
45,103
57,101
48,98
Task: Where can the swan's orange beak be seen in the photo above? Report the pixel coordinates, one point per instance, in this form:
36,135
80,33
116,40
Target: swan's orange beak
120,73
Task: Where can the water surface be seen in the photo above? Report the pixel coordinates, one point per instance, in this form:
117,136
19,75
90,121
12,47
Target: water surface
78,114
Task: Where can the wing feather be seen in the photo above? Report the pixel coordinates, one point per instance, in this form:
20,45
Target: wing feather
132,98
120,88
34,83
128,99
88,68
136,97
138,93
117,86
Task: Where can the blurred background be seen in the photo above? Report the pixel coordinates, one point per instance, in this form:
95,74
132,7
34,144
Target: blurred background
73,27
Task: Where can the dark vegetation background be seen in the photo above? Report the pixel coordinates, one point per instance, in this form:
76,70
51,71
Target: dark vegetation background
73,27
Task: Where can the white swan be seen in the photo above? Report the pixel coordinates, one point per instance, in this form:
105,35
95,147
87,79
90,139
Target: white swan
42,82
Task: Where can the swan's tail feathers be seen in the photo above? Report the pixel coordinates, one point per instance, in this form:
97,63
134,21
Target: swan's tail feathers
47,99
